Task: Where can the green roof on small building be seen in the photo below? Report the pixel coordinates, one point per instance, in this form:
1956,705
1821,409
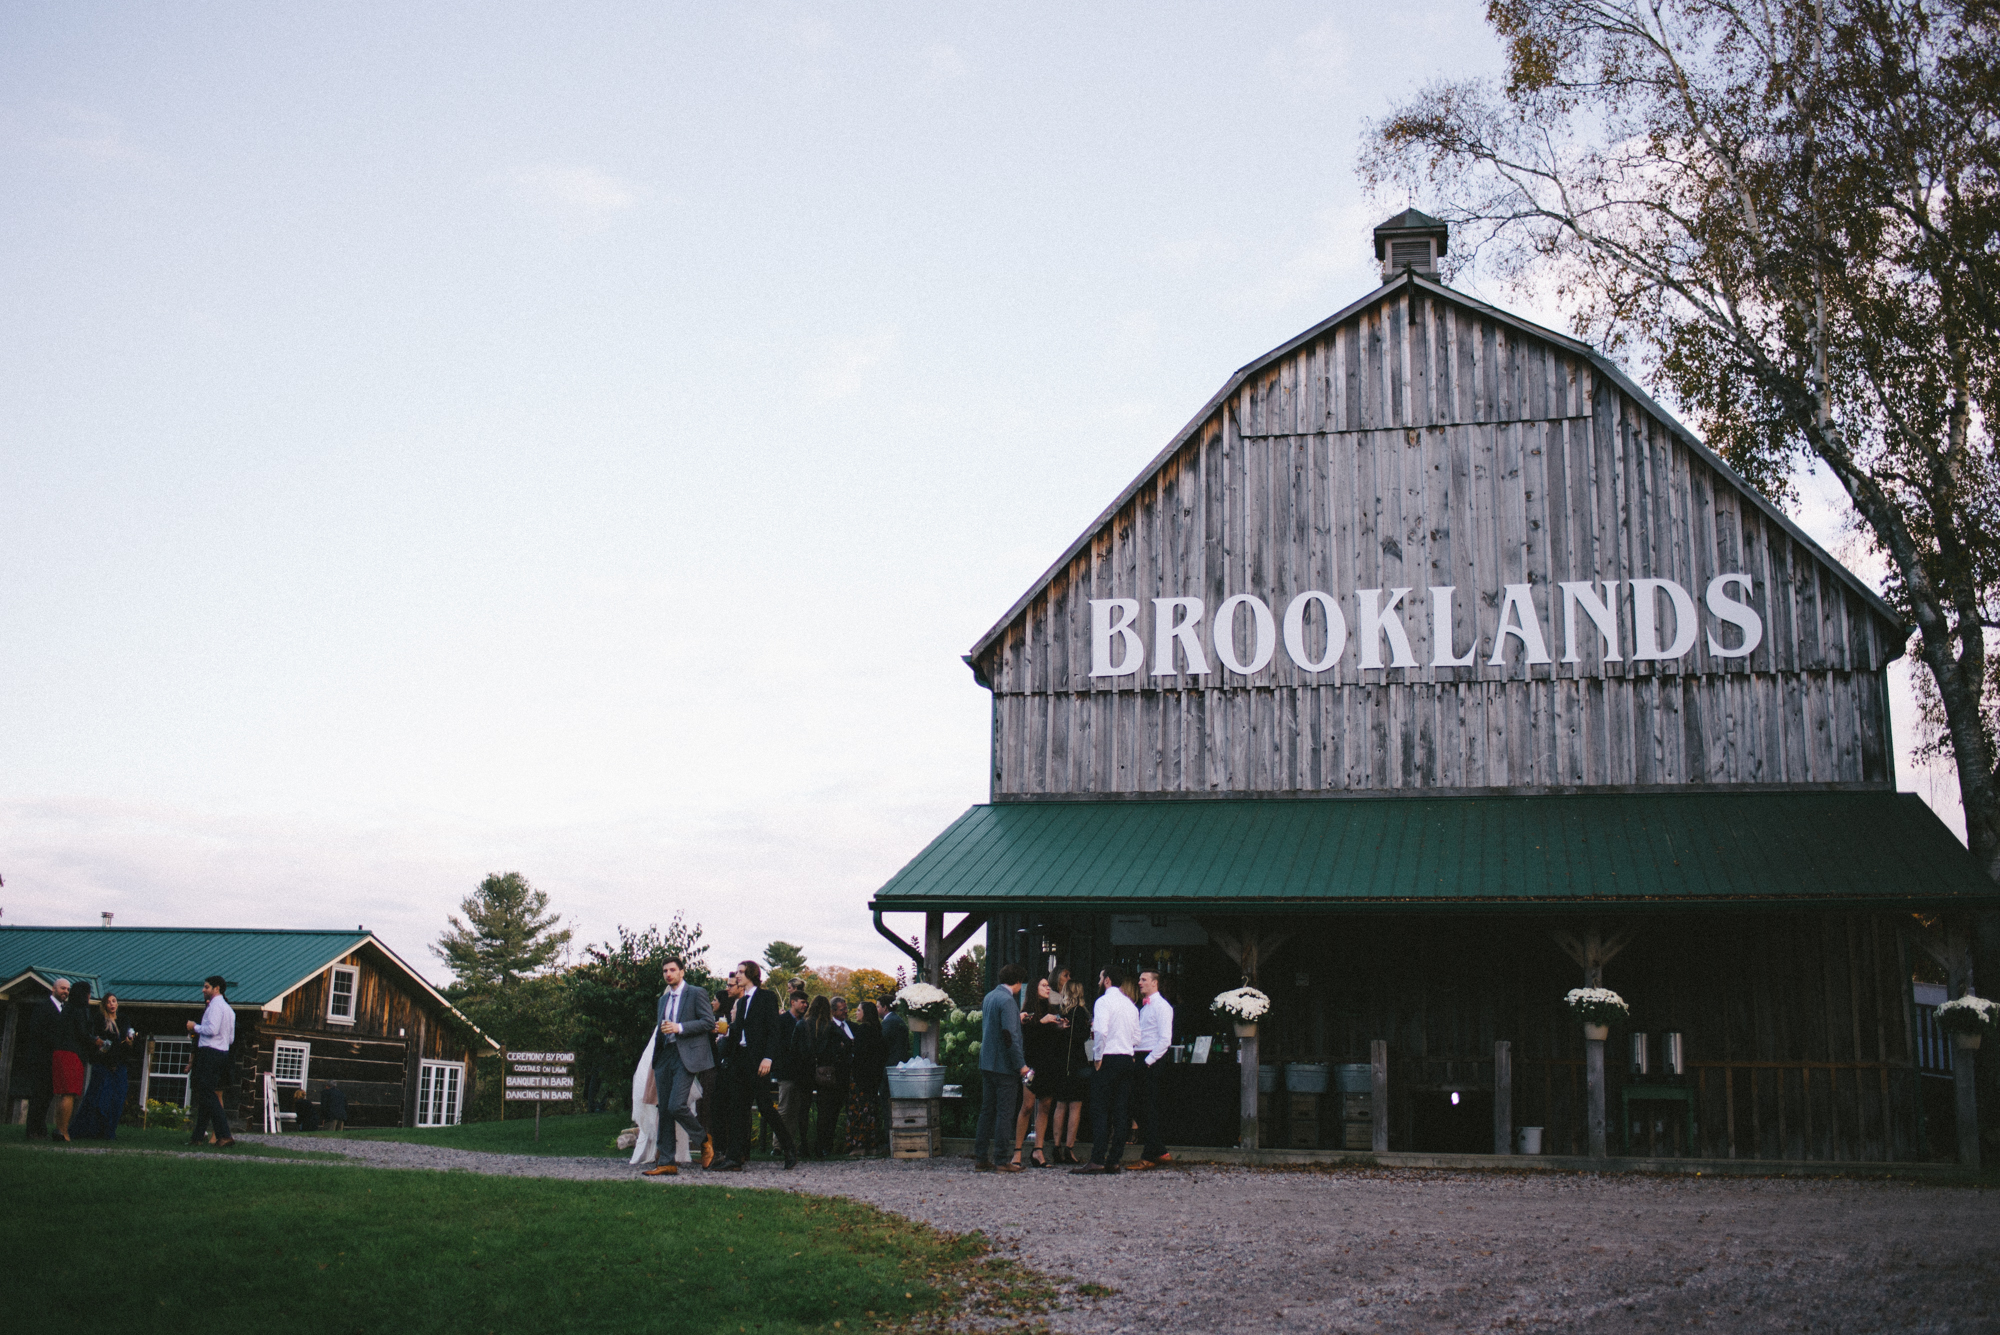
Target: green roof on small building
1549,851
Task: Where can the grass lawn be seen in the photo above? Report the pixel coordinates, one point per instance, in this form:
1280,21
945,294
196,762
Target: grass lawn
578,1135
181,1244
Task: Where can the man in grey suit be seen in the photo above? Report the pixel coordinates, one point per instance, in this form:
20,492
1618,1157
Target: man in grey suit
1001,1069
681,1053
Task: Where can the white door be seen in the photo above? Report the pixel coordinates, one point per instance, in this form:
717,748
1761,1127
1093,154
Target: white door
438,1094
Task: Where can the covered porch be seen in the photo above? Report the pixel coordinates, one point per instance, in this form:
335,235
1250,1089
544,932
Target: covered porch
1431,941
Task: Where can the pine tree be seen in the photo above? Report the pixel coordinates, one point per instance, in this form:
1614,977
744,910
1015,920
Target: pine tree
507,935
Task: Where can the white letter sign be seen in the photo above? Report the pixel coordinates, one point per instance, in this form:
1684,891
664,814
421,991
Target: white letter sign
1605,614
1377,622
1524,626
1441,645
1646,623
1262,626
1102,628
1295,631
1167,628
1736,614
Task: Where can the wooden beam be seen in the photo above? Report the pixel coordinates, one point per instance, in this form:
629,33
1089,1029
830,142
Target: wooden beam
1593,950
1503,1097
962,933
1594,1093
1378,1112
7,1060
1247,1084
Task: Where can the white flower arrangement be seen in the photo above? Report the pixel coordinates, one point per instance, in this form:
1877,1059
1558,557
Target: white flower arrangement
1245,1005
1597,1005
921,1001
1969,1015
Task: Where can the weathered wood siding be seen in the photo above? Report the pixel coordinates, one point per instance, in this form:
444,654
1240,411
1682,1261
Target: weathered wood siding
377,1058
1424,443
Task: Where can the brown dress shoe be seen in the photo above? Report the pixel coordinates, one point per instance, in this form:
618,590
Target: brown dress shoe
1006,1168
707,1150
661,1170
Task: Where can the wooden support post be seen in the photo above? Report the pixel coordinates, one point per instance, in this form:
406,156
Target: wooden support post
1503,1097
934,962
1963,1071
1378,1113
7,1061
1247,1059
1594,1093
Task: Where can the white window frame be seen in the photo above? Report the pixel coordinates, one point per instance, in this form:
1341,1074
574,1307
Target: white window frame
333,976
185,1076
440,1093
278,1051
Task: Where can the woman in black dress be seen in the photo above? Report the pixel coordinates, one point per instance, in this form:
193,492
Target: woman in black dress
864,1107
1074,1079
1043,1032
833,1067
109,1052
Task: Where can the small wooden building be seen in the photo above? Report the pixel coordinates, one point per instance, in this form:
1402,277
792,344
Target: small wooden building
1432,641
311,1007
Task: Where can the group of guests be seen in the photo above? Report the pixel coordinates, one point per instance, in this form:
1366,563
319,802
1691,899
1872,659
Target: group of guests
1057,1054
744,1052
78,1065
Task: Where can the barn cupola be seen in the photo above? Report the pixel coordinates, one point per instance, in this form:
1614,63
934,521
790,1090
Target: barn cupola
1410,240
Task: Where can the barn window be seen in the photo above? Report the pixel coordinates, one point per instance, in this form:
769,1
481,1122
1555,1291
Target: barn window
438,1094
288,1063
1414,254
340,992
167,1072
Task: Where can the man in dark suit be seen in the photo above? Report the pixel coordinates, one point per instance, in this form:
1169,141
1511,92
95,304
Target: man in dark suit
46,1027
752,1050
681,1054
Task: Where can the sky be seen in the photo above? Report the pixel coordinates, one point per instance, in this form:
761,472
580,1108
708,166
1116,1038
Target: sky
446,439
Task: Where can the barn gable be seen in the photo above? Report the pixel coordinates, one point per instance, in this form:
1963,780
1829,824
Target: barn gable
1423,442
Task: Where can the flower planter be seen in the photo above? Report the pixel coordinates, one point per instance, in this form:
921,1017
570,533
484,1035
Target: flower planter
1245,1030
1966,1042
1597,1032
919,1026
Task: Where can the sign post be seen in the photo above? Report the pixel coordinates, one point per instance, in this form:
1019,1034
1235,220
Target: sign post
539,1077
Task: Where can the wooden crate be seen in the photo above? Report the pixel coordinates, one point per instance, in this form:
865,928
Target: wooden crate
912,1114
1303,1133
1358,1136
1357,1107
923,1143
1304,1106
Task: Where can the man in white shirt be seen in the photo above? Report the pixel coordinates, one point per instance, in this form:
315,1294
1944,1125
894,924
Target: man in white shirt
215,1034
1114,1027
1156,1037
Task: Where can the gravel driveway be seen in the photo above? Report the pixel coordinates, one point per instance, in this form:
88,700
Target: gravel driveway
1211,1249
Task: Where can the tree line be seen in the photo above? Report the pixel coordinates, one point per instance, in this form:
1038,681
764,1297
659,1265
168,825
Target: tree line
515,976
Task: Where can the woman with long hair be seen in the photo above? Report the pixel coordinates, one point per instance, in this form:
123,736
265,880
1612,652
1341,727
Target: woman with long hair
1042,1039
109,1052
1066,1097
864,1109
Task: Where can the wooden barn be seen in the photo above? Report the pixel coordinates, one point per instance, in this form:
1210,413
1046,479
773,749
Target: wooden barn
1429,671
311,1007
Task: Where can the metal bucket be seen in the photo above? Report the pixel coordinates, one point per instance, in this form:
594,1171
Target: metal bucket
922,1083
1528,1140
1267,1079
1307,1077
1354,1078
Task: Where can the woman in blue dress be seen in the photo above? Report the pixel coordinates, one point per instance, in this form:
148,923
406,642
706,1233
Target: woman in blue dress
109,1051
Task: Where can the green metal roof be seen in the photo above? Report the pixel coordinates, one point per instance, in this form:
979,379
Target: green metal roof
167,964
1603,849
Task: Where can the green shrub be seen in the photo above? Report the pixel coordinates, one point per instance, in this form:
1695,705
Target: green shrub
169,1115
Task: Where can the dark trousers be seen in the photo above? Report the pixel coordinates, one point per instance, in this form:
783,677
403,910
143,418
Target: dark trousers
829,1099
999,1096
747,1093
1152,1135
675,1081
210,1075
1110,1109
41,1087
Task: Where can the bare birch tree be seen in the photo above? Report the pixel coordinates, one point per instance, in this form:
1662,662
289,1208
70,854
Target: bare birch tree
1791,213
